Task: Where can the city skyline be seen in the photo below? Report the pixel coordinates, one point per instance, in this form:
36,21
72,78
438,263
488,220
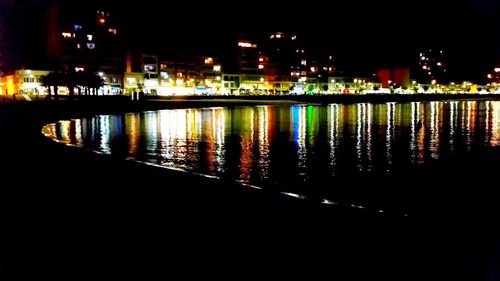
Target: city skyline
362,36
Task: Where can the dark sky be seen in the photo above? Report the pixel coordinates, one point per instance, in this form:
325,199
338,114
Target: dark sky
361,34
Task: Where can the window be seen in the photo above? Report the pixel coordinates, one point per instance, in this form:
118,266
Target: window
29,80
226,77
149,68
226,85
90,46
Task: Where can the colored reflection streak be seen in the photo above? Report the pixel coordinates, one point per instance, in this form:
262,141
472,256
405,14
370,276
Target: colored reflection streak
333,129
434,129
299,136
264,151
389,135
363,136
246,120
495,123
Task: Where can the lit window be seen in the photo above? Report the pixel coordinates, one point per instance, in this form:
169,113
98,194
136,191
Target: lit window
247,45
217,68
90,46
294,37
131,80
77,69
261,66
102,21
78,46
77,27
90,37
261,59
209,60
303,62
112,31
67,35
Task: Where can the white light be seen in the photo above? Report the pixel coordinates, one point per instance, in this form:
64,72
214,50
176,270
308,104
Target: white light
261,66
28,71
90,37
333,80
247,45
261,79
79,69
217,68
101,74
217,78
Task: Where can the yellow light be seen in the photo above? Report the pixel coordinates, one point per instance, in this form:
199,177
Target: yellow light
261,79
313,69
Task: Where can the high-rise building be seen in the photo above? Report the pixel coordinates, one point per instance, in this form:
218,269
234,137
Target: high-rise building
85,38
431,66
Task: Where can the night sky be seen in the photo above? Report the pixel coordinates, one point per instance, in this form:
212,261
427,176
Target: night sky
362,35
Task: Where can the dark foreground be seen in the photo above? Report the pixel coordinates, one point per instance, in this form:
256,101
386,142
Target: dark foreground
70,214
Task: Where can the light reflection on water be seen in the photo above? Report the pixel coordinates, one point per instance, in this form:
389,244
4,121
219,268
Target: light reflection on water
279,145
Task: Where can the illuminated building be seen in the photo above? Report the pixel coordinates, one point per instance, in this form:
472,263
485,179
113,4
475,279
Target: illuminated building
23,82
85,37
431,65
396,77
172,75
287,60
252,76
